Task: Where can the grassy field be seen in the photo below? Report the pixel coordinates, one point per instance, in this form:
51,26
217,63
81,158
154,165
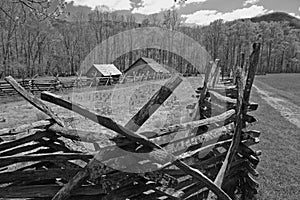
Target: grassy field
119,103
284,85
279,105
279,166
286,82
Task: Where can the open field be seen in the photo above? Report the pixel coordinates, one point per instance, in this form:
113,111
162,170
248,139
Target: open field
120,102
285,85
277,116
279,166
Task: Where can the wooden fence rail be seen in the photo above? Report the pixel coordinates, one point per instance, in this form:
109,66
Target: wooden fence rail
43,160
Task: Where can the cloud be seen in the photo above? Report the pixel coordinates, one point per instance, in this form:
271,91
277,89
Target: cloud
195,1
114,4
155,6
294,15
205,17
252,2
150,6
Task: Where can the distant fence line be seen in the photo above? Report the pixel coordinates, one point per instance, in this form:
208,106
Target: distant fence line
37,86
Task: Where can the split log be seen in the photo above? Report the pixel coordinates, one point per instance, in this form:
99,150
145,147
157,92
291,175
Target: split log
23,128
24,140
110,124
159,136
50,143
66,164
236,137
33,100
190,125
79,135
252,133
127,192
192,190
217,98
36,165
214,134
245,150
153,104
37,175
42,191
117,153
8,160
217,76
19,150
254,58
203,164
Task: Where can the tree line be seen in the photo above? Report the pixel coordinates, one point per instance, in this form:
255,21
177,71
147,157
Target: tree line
34,44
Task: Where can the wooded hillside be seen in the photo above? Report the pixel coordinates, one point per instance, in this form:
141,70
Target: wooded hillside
32,44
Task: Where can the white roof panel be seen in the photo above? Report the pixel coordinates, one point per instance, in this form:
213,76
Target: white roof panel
107,69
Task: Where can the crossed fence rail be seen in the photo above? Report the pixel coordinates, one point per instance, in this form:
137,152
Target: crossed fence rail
48,170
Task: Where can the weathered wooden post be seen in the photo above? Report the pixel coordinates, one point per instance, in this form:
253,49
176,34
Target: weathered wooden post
216,74
133,76
124,79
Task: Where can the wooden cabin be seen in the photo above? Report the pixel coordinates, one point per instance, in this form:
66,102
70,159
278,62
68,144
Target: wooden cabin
104,72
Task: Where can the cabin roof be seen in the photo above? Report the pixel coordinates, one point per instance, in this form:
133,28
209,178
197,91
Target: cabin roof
107,69
152,63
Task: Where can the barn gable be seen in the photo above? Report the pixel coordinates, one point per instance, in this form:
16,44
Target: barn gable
146,65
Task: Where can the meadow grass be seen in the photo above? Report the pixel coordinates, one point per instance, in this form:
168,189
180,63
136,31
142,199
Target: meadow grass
280,162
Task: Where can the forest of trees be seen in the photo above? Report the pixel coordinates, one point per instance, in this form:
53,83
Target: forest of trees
31,43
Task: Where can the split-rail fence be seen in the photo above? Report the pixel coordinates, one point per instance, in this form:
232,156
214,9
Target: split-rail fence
56,169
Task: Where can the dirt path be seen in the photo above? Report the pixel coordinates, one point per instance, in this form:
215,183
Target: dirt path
280,101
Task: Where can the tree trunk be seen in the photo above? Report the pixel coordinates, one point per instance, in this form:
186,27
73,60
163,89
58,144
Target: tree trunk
269,57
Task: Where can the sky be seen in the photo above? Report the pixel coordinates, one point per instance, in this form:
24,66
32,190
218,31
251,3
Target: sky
202,12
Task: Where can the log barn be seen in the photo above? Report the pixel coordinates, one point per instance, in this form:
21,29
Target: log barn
145,66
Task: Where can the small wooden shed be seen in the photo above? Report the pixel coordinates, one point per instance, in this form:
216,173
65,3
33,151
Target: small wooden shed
103,70
145,66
